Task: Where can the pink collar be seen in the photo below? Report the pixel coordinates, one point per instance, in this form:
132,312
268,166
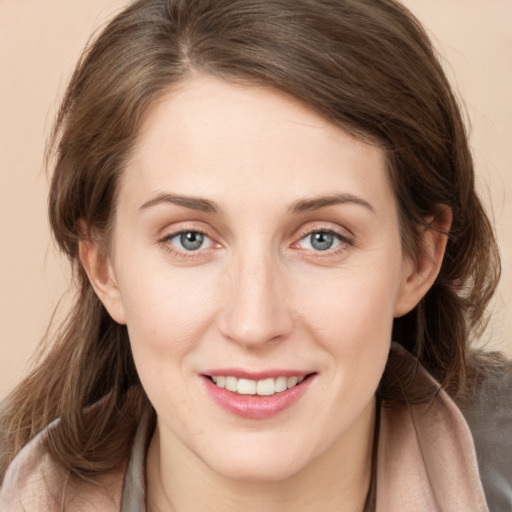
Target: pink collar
426,458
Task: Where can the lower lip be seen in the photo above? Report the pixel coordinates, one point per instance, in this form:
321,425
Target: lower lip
254,406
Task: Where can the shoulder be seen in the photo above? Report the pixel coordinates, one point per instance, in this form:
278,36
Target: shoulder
34,481
31,479
487,408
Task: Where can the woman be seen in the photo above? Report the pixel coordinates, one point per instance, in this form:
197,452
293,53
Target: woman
257,197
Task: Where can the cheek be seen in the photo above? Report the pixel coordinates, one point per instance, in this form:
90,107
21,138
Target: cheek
356,307
167,312
167,317
351,318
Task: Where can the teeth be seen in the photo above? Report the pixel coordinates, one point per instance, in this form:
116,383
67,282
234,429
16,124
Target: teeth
292,381
281,384
265,387
246,387
231,384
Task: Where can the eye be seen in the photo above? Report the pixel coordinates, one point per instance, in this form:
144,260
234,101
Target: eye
190,241
321,241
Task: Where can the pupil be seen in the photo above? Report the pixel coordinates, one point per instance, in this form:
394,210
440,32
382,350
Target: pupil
322,241
191,240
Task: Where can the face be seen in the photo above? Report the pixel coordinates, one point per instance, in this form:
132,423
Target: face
256,261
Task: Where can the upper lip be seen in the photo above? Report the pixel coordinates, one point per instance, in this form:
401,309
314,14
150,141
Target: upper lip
256,375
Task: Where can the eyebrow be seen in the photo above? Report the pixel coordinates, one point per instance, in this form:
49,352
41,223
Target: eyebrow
194,203
302,205
306,205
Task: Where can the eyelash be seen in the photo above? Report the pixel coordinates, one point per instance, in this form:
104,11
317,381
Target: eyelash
343,240
172,249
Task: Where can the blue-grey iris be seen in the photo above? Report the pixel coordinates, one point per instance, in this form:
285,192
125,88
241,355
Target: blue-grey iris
321,241
191,240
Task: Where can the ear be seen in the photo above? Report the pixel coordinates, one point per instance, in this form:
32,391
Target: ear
420,273
101,276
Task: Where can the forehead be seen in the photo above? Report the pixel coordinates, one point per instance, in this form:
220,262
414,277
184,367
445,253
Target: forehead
208,137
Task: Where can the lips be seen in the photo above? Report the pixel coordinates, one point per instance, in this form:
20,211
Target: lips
259,397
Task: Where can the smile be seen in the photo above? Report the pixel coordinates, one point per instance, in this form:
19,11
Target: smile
264,387
261,397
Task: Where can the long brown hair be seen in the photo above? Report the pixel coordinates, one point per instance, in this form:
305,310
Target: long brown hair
365,65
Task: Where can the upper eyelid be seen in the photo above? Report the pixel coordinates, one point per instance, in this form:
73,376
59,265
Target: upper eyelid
172,234
342,232
186,227
330,231
342,238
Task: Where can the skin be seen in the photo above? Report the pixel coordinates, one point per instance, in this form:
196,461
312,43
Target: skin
257,294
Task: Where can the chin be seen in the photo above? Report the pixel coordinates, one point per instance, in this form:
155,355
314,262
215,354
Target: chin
262,472
257,462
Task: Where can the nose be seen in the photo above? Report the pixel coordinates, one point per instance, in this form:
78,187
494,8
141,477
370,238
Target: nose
256,310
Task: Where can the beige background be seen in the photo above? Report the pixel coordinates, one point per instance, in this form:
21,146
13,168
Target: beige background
41,39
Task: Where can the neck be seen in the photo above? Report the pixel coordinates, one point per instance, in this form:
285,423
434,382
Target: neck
338,479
